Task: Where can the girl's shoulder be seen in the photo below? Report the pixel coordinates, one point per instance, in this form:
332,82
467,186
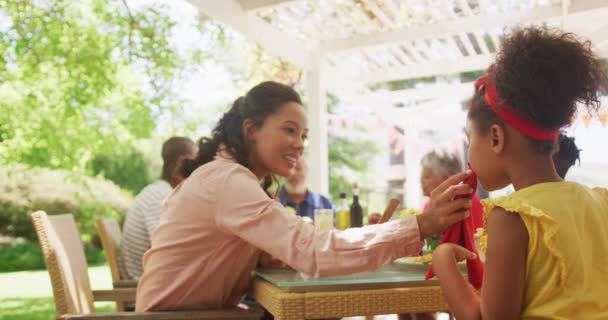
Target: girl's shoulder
601,192
549,196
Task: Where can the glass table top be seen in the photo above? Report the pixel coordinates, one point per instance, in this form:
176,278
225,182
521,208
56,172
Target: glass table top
397,274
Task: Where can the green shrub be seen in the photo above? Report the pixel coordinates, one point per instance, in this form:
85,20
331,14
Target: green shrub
24,190
20,255
127,169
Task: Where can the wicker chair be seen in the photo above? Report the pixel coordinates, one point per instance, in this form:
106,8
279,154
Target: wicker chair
111,236
64,257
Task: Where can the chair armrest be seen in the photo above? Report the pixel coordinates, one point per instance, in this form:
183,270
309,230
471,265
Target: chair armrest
118,294
125,284
234,313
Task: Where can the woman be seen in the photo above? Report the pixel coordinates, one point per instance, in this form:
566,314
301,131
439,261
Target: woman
219,220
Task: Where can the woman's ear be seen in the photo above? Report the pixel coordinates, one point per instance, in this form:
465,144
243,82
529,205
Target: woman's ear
249,131
497,138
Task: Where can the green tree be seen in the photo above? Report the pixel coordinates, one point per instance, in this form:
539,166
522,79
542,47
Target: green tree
82,78
348,158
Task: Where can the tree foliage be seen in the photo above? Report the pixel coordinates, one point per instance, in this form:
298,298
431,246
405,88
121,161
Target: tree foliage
81,78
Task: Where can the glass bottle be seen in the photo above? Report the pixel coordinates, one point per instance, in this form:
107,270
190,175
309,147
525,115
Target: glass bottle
356,212
342,213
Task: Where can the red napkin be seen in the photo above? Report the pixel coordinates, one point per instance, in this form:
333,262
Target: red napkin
463,233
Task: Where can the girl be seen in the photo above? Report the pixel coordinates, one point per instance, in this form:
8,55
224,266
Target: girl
219,220
547,242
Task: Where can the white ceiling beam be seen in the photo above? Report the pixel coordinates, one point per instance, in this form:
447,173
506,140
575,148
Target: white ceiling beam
460,25
393,9
435,68
258,5
427,92
447,7
231,13
454,42
381,15
414,53
397,52
495,39
481,42
464,37
464,5
427,69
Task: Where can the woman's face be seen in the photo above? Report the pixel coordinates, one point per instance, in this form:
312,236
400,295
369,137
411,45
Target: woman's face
278,143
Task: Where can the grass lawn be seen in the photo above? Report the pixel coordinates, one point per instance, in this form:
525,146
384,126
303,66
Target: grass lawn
27,295
37,308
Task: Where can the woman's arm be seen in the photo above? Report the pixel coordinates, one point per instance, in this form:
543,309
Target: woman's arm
504,277
245,211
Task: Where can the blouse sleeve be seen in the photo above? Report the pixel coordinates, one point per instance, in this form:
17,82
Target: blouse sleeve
246,211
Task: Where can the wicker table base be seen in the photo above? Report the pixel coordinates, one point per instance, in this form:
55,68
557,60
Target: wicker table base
344,302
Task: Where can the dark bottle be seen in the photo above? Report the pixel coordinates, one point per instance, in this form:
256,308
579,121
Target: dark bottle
356,212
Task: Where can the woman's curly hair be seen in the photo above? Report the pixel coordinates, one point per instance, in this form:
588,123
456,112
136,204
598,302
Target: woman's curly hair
543,74
261,101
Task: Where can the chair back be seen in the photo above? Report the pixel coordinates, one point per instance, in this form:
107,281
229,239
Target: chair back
65,261
111,236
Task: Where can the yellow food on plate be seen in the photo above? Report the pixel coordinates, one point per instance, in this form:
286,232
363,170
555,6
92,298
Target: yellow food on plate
406,212
427,258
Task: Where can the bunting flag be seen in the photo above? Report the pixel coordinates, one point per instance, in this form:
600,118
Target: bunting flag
397,140
586,119
603,116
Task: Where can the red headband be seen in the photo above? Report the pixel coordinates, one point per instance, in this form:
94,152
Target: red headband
505,112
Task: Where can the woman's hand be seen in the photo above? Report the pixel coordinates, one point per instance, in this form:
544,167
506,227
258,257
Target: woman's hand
444,210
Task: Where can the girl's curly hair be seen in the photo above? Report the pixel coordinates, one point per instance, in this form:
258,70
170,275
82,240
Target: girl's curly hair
543,74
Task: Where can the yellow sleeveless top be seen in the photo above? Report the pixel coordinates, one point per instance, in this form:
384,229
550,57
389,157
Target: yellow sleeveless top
567,261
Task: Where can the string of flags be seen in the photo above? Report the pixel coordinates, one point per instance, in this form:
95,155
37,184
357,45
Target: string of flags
398,140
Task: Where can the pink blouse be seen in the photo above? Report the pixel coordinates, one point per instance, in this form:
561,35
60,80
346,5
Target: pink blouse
219,220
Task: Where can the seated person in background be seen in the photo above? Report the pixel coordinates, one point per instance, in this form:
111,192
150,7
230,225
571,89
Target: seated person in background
567,154
144,215
374,218
295,194
437,166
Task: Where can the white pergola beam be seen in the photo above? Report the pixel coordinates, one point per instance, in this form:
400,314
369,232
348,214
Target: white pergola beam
460,25
317,150
468,46
428,69
436,68
257,5
481,42
253,27
429,92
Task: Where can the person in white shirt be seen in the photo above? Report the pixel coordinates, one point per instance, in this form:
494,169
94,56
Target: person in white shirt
144,215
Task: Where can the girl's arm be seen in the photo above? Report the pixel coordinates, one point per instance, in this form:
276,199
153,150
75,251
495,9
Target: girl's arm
504,278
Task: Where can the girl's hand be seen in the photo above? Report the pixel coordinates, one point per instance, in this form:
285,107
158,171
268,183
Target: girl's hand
449,252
